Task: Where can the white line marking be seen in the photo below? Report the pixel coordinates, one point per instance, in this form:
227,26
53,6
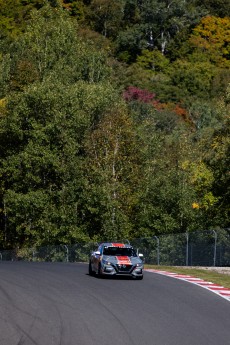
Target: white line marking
215,288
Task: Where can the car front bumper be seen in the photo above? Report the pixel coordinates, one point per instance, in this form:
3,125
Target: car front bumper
122,270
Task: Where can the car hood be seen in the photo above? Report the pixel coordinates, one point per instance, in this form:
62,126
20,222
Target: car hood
122,260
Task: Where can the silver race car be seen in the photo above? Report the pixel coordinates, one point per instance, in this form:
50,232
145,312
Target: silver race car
113,259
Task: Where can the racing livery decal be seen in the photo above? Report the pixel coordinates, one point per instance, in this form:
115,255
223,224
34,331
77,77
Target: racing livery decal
121,245
123,260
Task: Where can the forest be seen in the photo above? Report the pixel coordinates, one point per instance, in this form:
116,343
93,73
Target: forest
114,119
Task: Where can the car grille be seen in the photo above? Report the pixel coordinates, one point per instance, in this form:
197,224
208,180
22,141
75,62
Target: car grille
123,268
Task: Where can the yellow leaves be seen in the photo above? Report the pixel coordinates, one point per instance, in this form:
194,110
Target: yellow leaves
2,102
220,145
185,165
209,200
195,205
213,36
2,107
216,143
213,29
200,176
206,202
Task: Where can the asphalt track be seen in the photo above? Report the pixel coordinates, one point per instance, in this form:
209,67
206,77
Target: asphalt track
60,304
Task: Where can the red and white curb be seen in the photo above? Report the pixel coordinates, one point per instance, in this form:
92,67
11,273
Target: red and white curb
215,288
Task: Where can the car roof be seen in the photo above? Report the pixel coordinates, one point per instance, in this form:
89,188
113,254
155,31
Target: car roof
116,244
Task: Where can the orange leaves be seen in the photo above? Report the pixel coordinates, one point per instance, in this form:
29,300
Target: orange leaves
212,35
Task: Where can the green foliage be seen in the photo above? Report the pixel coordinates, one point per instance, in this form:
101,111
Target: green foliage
167,192
48,123
153,60
193,79
156,25
220,8
10,17
129,44
42,128
105,16
218,159
13,15
80,163
112,169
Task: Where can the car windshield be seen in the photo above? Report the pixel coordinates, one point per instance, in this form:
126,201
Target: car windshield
119,251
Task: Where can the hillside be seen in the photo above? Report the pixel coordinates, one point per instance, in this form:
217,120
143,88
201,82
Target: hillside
114,119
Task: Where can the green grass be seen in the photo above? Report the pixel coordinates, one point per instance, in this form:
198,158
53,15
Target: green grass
207,275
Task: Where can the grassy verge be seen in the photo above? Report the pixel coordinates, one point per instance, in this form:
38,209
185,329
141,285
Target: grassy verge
208,275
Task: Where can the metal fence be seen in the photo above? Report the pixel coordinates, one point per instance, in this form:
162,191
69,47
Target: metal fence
206,248
62,253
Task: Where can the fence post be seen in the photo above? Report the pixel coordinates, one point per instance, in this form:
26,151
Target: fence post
158,250
187,238
67,252
214,256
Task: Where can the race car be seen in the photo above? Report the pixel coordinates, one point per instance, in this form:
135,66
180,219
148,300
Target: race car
114,259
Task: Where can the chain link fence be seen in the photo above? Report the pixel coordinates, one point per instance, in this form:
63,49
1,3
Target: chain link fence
206,248
62,253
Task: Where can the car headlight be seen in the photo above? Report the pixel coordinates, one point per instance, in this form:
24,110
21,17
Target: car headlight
139,265
105,262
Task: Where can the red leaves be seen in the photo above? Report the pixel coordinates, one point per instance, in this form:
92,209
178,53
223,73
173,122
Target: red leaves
133,93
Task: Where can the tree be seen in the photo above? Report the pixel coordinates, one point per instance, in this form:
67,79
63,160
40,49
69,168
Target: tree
217,158
218,8
211,36
49,43
153,60
159,22
43,124
9,11
105,16
112,170
192,78
41,148
13,15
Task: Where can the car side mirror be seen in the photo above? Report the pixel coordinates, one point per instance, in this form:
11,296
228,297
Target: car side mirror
140,255
97,252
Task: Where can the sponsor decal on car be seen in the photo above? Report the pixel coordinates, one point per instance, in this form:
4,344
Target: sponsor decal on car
123,260
120,245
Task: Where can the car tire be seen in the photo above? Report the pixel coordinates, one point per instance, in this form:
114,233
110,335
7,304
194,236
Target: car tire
99,270
90,269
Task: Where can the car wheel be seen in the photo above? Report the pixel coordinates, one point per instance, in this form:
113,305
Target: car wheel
99,270
90,269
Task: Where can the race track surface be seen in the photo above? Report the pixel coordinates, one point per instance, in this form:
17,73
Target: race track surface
60,304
